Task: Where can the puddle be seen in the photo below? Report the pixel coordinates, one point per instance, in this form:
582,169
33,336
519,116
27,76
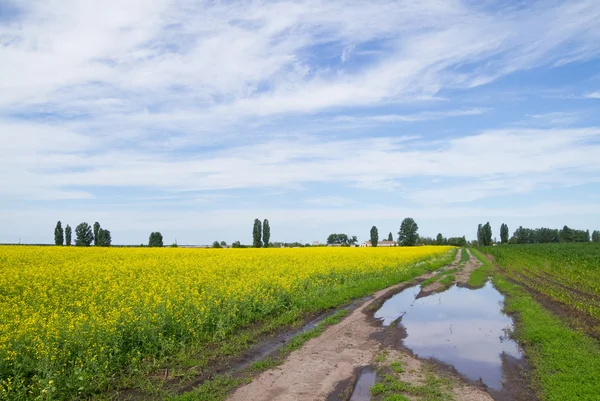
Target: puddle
362,388
461,327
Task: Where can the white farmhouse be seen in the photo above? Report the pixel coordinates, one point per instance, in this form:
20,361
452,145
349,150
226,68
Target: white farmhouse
380,243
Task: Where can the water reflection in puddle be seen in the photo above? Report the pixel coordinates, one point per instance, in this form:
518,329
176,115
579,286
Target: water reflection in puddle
462,327
362,388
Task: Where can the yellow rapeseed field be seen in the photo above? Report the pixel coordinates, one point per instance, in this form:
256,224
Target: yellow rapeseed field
72,318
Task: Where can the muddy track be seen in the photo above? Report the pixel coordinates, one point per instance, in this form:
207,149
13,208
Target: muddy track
326,367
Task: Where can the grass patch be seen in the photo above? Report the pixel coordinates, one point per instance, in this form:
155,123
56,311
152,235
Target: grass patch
392,388
442,277
396,397
566,363
264,364
216,389
389,385
464,256
480,275
430,280
397,366
298,340
447,281
382,356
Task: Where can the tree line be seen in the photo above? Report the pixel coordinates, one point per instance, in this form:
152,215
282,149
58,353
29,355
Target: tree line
408,235
441,240
541,235
84,235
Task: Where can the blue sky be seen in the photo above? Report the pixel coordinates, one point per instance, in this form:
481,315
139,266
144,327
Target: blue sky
192,118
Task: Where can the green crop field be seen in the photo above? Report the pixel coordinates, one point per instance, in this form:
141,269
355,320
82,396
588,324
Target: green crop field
567,273
554,293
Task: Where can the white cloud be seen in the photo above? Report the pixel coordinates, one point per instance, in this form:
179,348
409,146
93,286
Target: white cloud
592,95
554,119
382,162
346,53
253,58
417,117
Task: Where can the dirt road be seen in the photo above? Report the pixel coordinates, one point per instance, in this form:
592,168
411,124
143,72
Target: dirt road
315,371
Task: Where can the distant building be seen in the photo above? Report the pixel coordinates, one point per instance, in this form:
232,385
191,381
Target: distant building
380,243
315,243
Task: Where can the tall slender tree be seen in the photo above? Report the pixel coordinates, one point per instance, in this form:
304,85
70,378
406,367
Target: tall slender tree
96,231
58,234
266,235
439,240
487,234
504,233
408,234
480,234
68,235
390,237
374,236
596,236
257,234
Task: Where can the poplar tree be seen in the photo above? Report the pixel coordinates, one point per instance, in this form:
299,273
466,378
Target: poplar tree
58,234
374,236
96,231
504,233
266,235
487,234
68,235
257,234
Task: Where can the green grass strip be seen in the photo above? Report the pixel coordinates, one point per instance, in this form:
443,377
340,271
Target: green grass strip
480,275
448,280
215,389
566,363
464,256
